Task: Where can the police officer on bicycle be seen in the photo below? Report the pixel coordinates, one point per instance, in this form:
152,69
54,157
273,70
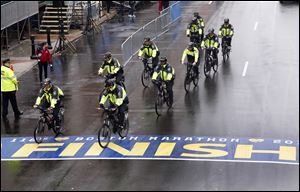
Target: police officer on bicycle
166,73
50,97
117,98
192,55
112,67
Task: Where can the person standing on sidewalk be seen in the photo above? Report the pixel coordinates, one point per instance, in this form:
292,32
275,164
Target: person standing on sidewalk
9,86
44,59
132,9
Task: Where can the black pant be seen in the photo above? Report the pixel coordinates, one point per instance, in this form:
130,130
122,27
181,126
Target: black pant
41,66
9,96
108,4
227,39
122,109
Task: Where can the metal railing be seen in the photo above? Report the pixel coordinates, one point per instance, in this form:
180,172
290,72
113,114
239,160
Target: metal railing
16,11
153,29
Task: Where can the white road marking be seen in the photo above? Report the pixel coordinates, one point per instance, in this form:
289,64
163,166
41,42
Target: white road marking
245,69
255,26
210,2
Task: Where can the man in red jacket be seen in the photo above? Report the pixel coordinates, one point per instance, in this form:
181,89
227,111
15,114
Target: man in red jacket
44,59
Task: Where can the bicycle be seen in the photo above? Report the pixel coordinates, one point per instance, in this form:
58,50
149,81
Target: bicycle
210,62
110,122
46,121
161,98
190,76
196,39
147,72
225,50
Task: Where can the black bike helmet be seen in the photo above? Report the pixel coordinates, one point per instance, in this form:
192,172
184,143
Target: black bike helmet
147,39
107,55
109,83
196,14
211,30
226,20
163,60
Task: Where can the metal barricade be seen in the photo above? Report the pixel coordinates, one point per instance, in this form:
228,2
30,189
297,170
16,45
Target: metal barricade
16,11
153,29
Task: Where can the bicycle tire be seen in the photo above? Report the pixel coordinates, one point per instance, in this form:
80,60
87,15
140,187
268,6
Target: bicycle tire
124,132
40,129
145,77
159,105
187,83
215,66
105,133
196,80
206,69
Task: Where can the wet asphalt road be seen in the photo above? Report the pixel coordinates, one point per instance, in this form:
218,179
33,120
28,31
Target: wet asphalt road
263,103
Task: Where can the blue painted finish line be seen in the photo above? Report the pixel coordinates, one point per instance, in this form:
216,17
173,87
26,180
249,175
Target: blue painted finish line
153,147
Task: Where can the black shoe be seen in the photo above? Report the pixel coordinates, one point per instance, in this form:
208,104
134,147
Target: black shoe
19,114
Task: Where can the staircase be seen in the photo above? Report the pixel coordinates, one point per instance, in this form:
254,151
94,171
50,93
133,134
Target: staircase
51,18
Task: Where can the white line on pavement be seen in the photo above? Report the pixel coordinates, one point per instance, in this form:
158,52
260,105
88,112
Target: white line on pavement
255,26
210,2
245,69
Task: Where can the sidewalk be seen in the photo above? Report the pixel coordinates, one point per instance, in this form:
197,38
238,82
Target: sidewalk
20,55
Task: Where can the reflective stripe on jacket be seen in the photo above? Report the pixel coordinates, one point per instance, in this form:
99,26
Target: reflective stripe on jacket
8,80
51,96
111,67
164,72
149,51
192,56
116,96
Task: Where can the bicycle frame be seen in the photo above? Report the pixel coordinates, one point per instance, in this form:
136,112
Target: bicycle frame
45,117
147,63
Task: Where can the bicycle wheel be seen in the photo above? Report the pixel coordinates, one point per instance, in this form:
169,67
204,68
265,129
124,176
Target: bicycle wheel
39,132
104,134
159,105
206,69
215,66
196,79
145,78
187,83
124,131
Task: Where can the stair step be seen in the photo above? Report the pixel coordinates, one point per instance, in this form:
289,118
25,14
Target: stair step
55,21
53,31
54,16
56,12
53,26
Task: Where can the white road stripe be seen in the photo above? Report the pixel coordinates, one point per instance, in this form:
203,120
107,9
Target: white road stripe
245,69
210,2
255,26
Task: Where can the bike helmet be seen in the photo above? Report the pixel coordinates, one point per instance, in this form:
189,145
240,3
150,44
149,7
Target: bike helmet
147,39
109,83
211,30
196,14
163,60
191,45
226,20
107,55
47,84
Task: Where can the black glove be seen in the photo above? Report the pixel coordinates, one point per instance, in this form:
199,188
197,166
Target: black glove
101,106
